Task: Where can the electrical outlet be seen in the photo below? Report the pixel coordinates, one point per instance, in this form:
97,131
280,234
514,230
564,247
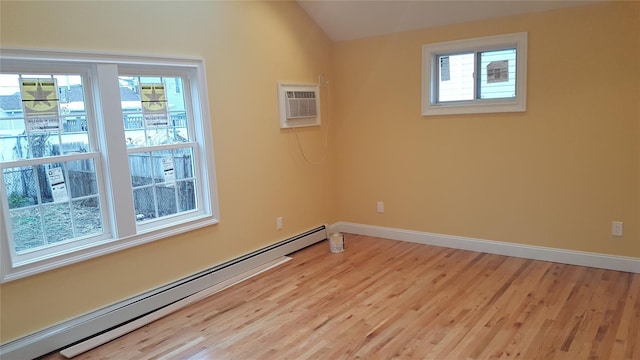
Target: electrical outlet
380,206
279,223
616,228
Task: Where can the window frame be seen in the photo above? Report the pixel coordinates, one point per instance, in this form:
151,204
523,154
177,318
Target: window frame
430,53
101,72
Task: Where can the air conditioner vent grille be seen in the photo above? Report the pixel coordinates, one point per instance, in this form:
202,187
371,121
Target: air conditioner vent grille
301,104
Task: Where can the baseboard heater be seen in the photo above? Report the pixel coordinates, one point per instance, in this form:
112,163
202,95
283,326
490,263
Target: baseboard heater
100,321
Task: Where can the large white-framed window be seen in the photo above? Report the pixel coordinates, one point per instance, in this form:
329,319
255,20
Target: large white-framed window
99,152
479,75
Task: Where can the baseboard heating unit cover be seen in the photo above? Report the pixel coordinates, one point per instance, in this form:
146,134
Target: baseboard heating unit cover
114,333
76,330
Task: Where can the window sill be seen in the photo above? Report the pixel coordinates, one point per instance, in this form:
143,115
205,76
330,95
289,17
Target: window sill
474,108
40,265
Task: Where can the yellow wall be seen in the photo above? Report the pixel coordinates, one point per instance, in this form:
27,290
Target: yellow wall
248,47
555,175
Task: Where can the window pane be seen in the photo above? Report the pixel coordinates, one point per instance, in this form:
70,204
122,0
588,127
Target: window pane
82,178
183,161
186,195
145,203
57,222
140,169
163,166
51,182
150,79
11,122
87,219
497,74
20,187
154,110
166,197
455,77
42,115
163,181
39,201
27,228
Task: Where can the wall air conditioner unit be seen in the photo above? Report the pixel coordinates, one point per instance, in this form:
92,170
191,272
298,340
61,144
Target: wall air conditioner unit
299,105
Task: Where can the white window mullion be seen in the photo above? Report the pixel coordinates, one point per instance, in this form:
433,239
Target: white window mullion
112,139
204,170
476,77
6,250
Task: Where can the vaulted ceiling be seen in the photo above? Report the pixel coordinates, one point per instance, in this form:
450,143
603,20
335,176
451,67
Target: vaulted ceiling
353,19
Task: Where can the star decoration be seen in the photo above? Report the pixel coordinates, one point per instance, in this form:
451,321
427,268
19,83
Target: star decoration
154,96
153,99
40,96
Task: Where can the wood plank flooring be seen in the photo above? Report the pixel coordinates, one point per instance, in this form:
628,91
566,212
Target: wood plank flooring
386,299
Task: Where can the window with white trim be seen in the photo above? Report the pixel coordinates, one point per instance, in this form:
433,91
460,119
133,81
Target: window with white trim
478,75
99,153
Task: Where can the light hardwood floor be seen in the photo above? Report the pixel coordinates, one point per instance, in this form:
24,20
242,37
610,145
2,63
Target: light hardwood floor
384,299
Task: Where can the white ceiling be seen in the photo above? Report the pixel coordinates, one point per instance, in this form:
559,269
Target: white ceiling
354,19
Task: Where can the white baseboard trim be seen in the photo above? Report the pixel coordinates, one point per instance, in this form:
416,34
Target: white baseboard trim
596,260
107,336
82,327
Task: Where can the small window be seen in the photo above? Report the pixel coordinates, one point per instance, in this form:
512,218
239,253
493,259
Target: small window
475,76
